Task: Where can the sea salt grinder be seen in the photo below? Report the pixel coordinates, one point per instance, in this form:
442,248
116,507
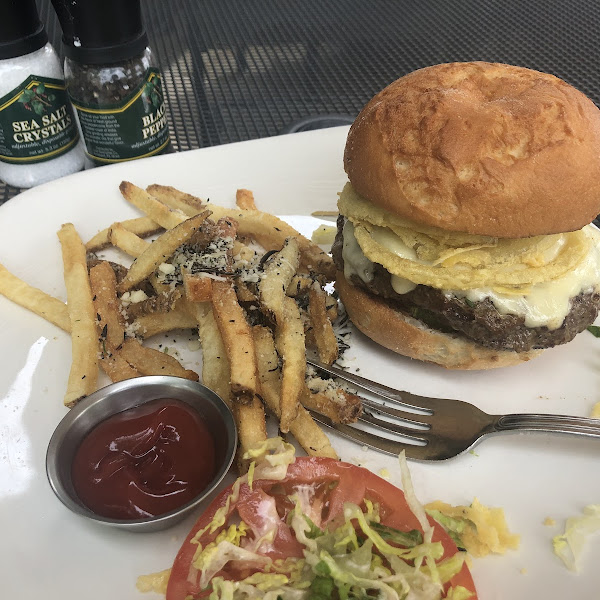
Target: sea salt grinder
112,80
39,140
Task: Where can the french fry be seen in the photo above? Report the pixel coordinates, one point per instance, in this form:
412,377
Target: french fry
186,203
309,435
332,307
299,285
162,302
157,211
117,368
322,329
119,270
268,230
245,199
125,240
109,320
215,364
250,418
291,347
277,275
160,251
141,226
154,323
33,299
84,338
149,361
244,293
237,337
290,331
252,429
326,398
197,288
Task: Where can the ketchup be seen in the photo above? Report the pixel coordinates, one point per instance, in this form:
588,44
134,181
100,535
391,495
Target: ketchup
144,461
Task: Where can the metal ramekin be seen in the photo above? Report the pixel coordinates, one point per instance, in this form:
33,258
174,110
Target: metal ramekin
116,398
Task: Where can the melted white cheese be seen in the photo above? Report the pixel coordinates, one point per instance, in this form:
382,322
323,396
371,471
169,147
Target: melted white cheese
402,285
390,241
545,305
355,262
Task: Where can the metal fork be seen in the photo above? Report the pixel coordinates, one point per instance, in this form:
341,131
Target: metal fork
435,428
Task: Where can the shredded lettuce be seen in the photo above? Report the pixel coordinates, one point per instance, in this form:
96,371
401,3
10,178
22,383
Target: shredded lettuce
250,473
454,527
404,538
432,550
459,593
272,459
356,559
418,510
569,545
214,558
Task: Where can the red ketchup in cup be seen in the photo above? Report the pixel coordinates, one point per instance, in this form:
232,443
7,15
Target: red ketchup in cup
144,461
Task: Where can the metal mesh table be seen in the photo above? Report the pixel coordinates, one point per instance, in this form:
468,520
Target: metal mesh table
242,70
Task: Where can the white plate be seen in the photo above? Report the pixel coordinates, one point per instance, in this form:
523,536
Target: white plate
46,552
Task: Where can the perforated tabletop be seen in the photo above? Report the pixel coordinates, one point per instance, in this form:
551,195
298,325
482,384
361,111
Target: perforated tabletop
242,70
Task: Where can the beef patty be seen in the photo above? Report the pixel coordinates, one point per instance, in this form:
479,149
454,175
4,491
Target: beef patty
479,321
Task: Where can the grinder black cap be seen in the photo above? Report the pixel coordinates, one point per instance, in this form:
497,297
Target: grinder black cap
21,31
101,31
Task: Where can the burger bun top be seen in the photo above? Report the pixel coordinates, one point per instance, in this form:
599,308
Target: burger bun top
480,148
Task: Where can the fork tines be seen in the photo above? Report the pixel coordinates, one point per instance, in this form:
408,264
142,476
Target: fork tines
391,421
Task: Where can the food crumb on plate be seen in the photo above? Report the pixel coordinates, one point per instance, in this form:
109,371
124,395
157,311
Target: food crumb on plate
324,235
479,529
595,414
569,546
154,582
523,571
384,473
549,522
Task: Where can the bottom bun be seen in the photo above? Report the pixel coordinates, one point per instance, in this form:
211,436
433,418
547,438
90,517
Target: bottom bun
410,337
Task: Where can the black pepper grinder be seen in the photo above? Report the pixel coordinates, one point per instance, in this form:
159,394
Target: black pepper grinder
112,80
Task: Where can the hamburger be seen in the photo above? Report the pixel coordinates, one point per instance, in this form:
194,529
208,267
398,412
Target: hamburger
464,234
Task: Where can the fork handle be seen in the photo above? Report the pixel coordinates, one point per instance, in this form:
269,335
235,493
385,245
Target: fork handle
554,423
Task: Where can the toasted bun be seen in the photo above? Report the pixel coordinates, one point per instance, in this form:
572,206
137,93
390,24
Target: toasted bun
401,333
480,148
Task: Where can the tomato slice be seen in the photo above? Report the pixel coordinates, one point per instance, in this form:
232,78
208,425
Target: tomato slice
330,483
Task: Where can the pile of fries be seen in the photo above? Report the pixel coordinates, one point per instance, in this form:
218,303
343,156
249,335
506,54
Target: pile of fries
251,285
